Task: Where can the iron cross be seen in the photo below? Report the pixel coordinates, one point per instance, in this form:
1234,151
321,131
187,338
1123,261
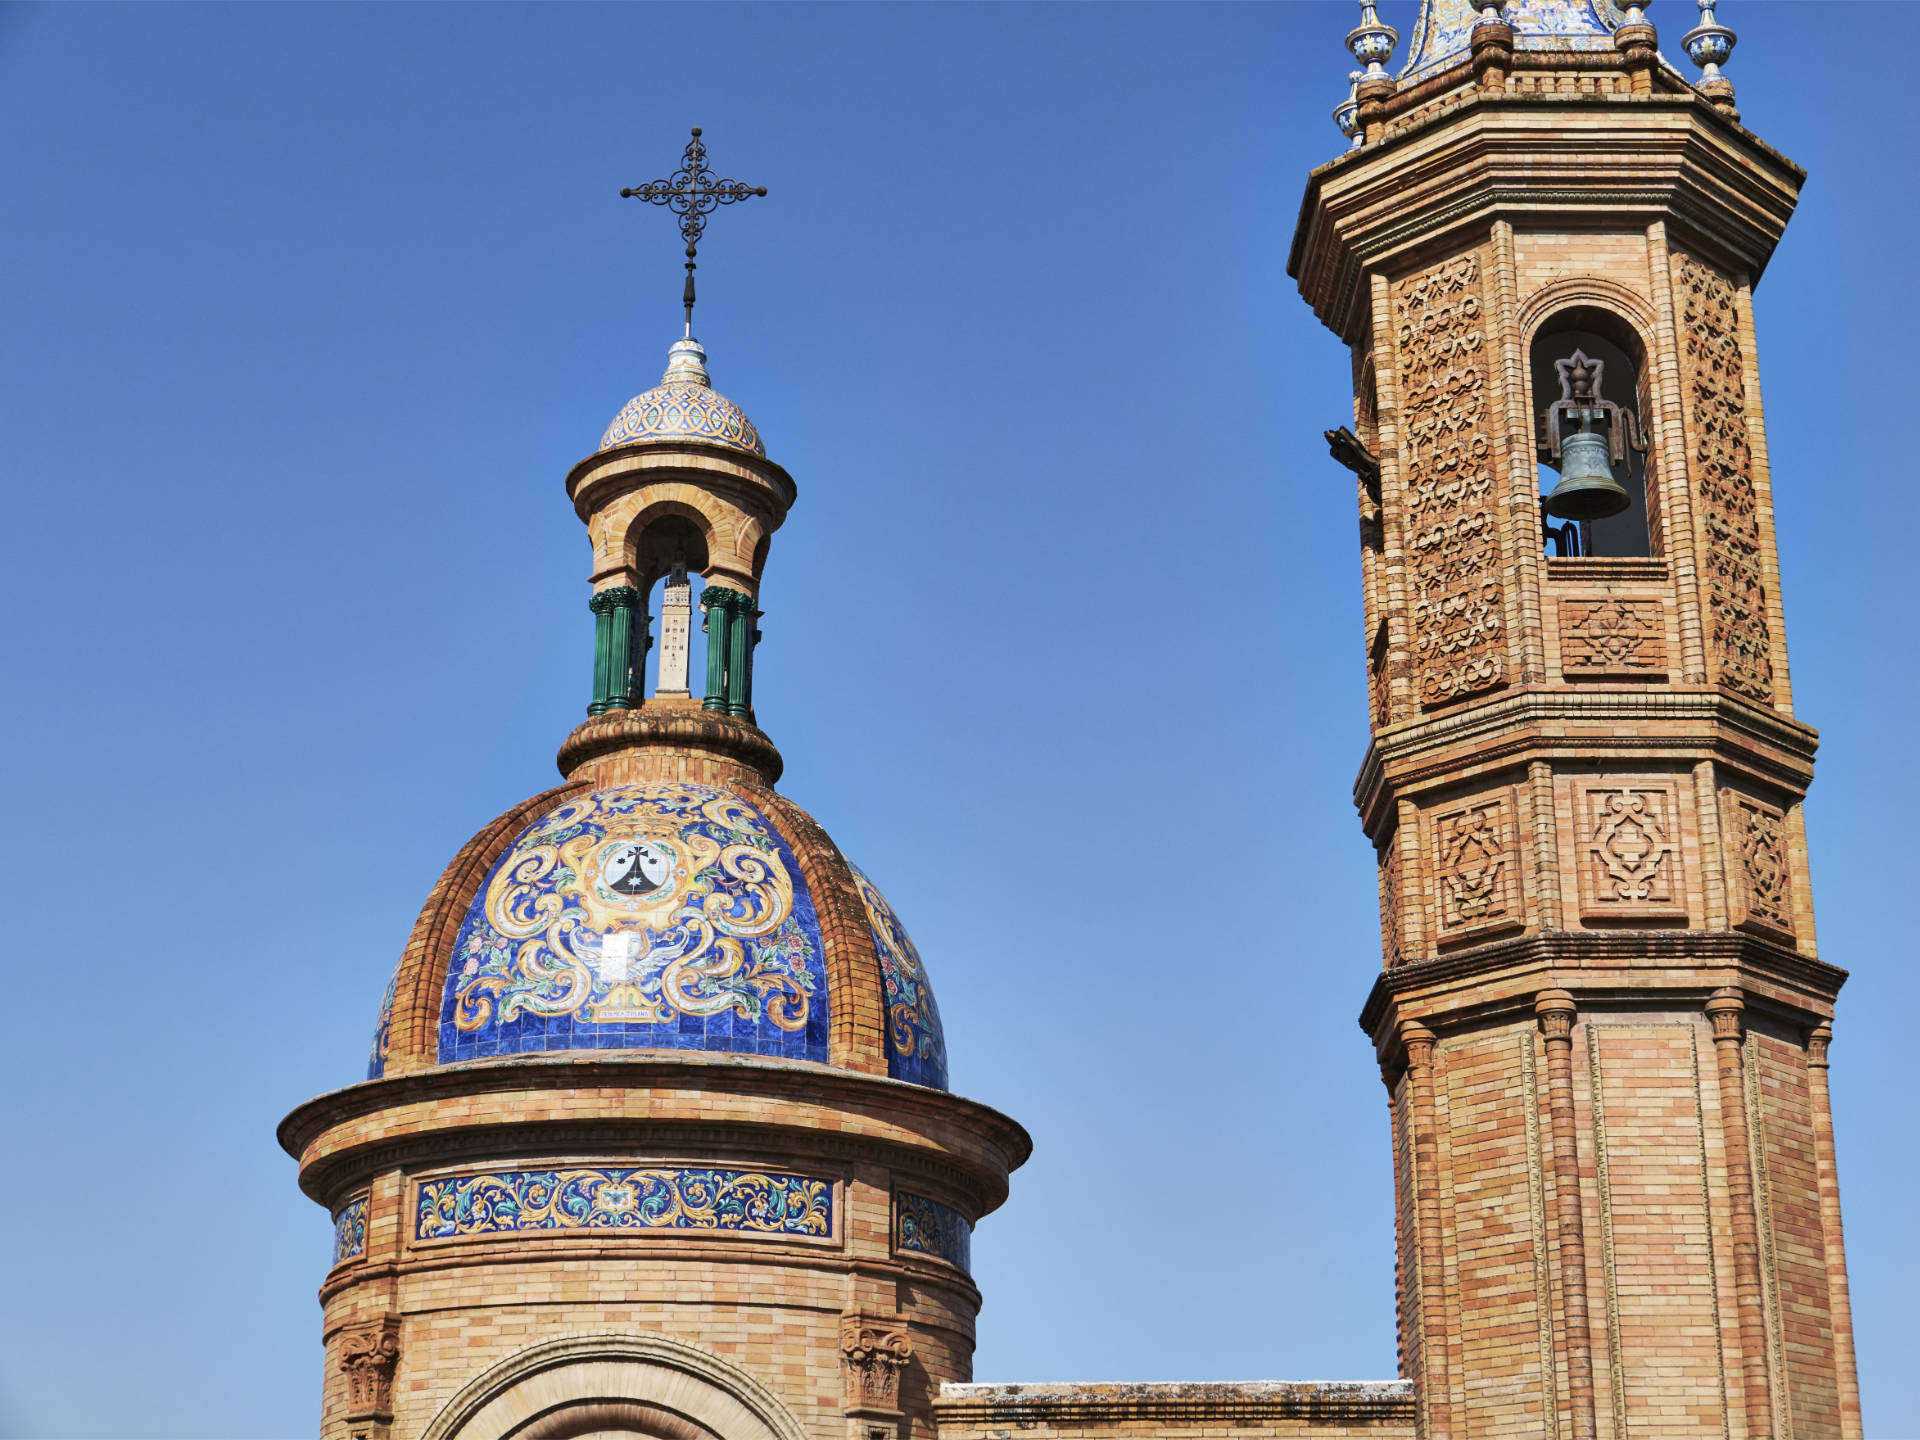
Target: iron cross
692,194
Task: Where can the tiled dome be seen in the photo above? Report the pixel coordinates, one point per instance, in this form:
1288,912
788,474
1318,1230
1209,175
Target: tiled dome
684,406
657,915
1443,35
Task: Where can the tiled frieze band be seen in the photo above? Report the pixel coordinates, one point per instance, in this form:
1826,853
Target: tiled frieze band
350,1230
926,1227
759,1202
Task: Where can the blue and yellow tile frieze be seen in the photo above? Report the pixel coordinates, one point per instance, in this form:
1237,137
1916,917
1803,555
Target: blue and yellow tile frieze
926,1227
658,915
350,1230
748,1202
916,1045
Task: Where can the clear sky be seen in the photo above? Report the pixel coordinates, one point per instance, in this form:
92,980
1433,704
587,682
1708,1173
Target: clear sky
307,312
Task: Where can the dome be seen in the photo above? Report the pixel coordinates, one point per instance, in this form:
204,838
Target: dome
684,406
658,915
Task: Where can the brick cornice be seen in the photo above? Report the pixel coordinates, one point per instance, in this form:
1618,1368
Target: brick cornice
1056,1406
682,727
1686,965
661,1102
1605,723
1562,159
725,471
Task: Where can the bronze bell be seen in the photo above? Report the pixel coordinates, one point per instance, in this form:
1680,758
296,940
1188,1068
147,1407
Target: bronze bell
1587,489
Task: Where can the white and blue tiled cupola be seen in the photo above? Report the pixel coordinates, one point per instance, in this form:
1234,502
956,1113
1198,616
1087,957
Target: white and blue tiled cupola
684,406
1443,35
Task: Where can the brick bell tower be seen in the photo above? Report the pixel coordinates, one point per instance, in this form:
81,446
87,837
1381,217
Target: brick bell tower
1602,1019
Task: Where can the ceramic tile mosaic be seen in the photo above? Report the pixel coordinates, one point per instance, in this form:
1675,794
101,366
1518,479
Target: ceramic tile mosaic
916,1045
681,411
754,1201
930,1228
383,1031
1443,33
646,916
350,1230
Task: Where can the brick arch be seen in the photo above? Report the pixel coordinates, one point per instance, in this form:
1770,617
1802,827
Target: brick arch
716,521
421,977
682,1389
1593,295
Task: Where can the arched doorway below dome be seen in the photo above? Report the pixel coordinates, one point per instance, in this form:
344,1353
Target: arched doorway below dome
598,1387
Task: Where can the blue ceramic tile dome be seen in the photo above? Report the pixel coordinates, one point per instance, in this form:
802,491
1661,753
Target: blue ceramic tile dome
684,406
654,915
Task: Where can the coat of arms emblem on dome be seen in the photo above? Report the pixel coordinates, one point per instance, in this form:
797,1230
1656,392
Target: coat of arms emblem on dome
644,916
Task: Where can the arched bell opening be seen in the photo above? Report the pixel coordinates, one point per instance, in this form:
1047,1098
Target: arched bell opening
1586,369
669,554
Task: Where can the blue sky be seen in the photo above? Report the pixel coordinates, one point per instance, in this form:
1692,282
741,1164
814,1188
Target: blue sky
309,310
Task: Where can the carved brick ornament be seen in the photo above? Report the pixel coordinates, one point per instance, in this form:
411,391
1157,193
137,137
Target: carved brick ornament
1757,835
1475,867
368,1354
1451,519
873,1352
1632,860
1390,942
1605,636
1721,471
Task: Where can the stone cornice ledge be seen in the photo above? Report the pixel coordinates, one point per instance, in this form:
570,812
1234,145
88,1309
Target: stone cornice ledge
1249,1400
1528,723
815,1086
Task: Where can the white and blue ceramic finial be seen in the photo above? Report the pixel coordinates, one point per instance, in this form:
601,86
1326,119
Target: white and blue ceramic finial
1492,12
687,364
1709,43
1636,11
1372,42
1347,113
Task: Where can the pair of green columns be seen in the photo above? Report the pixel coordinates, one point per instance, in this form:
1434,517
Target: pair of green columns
621,642
731,636
617,668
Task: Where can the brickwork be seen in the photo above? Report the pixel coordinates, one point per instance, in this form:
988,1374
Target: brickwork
1254,1411
1600,996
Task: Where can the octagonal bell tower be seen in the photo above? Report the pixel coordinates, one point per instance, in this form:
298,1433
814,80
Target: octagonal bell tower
1602,1018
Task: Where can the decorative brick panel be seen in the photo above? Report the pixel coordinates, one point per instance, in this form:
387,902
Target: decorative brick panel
1721,471
1476,868
1607,638
1452,526
1631,851
1760,886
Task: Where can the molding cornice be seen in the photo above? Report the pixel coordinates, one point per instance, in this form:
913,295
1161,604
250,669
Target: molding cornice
1542,722
1488,156
1592,966
653,725
1057,1406
969,1146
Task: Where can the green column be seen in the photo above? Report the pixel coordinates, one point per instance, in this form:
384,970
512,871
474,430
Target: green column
602,606
714,601
751,621
620,686
740,657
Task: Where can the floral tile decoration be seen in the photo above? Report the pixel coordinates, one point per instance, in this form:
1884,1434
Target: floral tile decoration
644,916
930,1228
1444,33
754,1201
916,1045
350,1230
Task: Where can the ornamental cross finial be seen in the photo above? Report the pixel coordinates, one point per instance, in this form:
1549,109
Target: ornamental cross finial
692,193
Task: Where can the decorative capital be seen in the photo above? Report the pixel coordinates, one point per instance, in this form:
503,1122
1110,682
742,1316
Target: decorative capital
369,1353
1556,1012
614,597
1418,1040
1724,1008
874,1349
722,596
1818,1039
